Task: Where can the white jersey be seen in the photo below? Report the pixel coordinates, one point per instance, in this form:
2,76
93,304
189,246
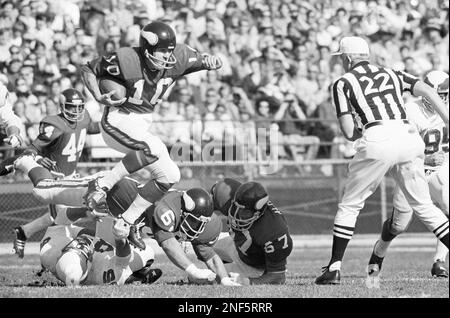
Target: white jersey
106,266
7,116
431,128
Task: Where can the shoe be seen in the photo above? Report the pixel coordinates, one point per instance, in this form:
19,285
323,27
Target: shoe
145,275
19,242
329,278
438,269
95,197
375,264
135,238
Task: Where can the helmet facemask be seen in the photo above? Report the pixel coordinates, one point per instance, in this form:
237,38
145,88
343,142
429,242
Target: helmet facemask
241,218
161,63
80,249
74,111
192,226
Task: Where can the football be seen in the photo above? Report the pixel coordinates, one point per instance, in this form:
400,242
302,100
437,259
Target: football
107,85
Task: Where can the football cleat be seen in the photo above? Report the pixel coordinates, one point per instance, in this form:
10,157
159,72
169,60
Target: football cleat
19,242
375,264
329,278
145,275
438,269
95,197
135,237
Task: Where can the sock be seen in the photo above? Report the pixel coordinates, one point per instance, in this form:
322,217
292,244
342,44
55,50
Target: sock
135,210
441,252
39,224
381,248
21,235
386,234
113,176
341,237
441,233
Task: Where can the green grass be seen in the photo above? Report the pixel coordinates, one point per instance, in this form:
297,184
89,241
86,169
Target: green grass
405,274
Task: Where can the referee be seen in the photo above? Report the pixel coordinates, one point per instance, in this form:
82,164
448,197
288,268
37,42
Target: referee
371,111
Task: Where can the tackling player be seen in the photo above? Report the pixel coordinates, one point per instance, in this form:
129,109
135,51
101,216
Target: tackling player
58,148
78,258
8,120
435,135
146,72
260,243
188,216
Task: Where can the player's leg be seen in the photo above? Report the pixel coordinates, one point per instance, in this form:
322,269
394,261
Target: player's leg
439,191
411,178
364,176
397,223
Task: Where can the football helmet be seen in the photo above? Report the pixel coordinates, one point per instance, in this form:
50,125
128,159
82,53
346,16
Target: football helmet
75,261
439,81
154,36
248,205
196,211
72,105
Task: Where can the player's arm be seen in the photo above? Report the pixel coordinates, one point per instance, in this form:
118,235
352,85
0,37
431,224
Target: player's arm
10,120
102,66
341,93
94,126
48,136
123,255
198,61
276,252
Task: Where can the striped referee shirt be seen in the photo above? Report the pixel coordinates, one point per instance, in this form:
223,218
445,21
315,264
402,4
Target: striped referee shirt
372,93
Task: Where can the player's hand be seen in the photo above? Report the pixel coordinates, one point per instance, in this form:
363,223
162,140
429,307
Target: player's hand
200,276
14,141
239,279
106,100
47,163
227,281
436,159
211,62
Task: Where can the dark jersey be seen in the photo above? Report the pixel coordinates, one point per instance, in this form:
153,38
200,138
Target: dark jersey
144,88
164,219
62,141
267,243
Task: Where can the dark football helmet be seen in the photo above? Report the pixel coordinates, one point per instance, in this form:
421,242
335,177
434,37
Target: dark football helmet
439,81
196,211
154,36
72,105
248,205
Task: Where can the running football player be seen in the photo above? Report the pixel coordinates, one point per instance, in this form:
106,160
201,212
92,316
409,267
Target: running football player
435,135
147,72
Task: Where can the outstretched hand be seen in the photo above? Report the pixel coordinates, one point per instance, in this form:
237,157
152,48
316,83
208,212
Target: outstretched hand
212,62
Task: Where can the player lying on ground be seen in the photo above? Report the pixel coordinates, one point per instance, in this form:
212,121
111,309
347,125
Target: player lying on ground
58,148
76,257
146,73
8,120
435,135
188,216
259,244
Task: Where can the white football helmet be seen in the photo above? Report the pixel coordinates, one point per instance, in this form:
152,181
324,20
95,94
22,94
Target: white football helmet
75,262
439,81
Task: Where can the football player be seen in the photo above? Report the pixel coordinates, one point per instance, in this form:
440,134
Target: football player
435,135
76,257
8,120
146,72
58,148
259,244
188,216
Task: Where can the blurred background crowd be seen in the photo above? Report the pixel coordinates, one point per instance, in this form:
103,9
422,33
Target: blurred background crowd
277,69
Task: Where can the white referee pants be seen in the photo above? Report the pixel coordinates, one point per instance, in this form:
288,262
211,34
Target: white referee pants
395,148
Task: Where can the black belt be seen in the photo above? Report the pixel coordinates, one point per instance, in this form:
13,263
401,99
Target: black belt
376,123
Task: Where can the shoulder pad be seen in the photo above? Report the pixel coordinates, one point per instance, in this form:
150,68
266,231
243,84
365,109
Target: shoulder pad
129,63
222,193
166,217
211,233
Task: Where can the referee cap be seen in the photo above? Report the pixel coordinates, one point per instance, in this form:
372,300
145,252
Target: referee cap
352,45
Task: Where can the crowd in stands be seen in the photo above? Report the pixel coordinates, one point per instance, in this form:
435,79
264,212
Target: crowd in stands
277,69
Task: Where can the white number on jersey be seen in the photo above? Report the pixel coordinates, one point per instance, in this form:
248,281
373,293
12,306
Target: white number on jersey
436,140
72,150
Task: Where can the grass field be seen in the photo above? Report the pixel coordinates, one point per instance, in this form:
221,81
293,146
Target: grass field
406,273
